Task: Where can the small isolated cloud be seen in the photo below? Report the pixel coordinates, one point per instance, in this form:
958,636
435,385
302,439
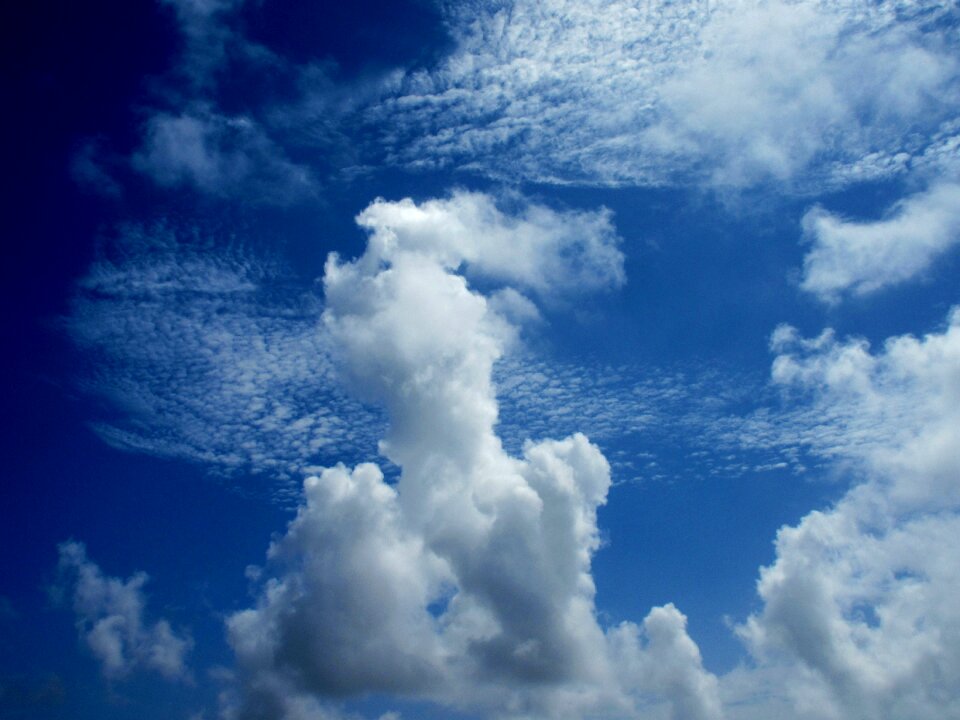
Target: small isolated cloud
110,620
859,615
190,140
201,350
468,582
863,257
221,155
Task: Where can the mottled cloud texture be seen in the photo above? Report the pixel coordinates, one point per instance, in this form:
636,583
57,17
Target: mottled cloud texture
209,354
724,93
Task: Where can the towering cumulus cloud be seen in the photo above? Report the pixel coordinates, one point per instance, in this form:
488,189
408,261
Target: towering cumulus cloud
860,613
468,582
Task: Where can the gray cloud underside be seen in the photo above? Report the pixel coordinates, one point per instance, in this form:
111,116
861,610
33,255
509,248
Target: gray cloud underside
859,618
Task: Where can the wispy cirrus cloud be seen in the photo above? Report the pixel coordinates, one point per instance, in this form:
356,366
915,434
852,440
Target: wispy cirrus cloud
209,354
205,352
110,619
222,156
810,95
729,94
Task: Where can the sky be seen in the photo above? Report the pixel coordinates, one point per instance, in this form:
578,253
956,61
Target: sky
481,359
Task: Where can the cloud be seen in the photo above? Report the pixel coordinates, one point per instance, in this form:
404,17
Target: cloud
204,352
220,155
468,582
779,88
669,665
863,257
208,37
859,618
811,95
110,620
190,139
537,248
728,94
201,350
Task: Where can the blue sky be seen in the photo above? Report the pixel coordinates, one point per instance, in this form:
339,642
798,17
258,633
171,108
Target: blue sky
509,359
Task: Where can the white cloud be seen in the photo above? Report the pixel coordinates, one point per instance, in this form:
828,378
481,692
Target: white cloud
779,87
469,582
348,615
859,616
207,35
862,257
669,665
110,620
220,155
810,94
728,93
538,248
205,353
201,351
